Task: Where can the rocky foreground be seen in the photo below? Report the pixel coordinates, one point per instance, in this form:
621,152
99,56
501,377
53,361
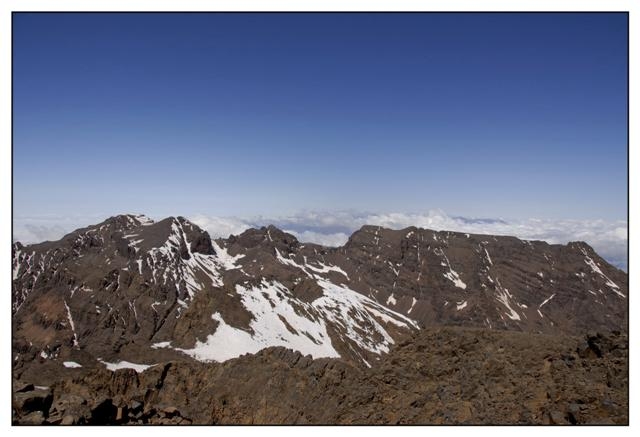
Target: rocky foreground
446,375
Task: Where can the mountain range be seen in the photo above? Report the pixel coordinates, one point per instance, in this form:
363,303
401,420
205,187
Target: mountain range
128,295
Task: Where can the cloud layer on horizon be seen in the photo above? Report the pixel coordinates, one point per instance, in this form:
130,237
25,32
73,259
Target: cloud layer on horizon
608,238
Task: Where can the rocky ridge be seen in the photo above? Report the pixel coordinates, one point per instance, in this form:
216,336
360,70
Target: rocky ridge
438,376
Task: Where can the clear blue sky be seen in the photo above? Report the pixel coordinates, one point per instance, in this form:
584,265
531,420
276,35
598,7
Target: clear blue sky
485,115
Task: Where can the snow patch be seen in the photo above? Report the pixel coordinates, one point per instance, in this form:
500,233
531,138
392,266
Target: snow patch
227,261
488,257
126,365
391,300
546,300
504,297
451,275
351,310
594,267
323,268
279,319
413,303
162,344
267,328
17,264
73,327
326,269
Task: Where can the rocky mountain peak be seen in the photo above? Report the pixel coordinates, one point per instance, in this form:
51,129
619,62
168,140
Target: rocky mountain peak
267,236
126,221
177,233
581,246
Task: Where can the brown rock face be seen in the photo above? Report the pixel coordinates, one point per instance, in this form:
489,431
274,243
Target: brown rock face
438,376
130,292
490,281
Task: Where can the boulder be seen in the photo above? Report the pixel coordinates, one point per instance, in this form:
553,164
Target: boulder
557,417
30,401
33,418
169,412
68,420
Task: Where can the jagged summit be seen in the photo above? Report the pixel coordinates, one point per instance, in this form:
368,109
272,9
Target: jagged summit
265,236
129,220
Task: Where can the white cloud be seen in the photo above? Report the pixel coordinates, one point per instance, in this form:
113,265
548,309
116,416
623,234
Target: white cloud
36,233
36,229
608,238
332,240
221,226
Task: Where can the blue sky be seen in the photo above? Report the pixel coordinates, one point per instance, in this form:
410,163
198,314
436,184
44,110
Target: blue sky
480,115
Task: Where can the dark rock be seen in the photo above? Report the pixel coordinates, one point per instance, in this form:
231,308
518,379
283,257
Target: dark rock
135,407
574,408
594,344
124,380
34,400
586,351
103,412
557,418
573,413
21,387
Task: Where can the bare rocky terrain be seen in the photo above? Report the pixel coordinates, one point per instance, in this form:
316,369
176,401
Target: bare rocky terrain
132,321
439,376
